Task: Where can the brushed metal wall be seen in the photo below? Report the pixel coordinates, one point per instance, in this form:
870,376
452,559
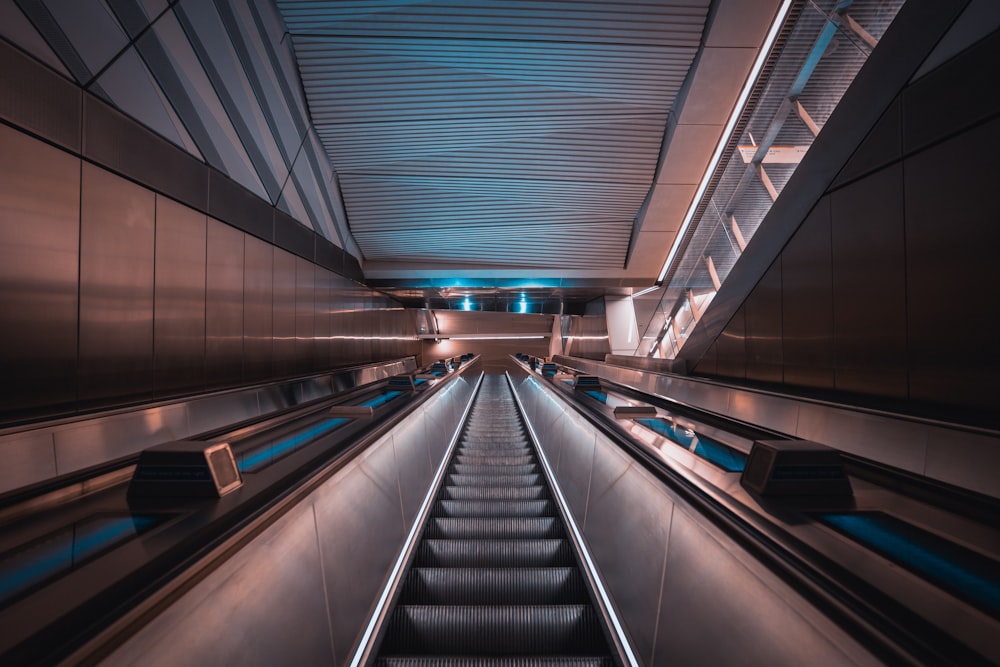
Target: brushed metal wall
686,592
39,272
112,294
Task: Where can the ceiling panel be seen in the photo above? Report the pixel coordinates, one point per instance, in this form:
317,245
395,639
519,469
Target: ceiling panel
503,134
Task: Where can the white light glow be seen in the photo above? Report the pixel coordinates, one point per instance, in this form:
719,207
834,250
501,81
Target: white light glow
487,337
751,81
646,291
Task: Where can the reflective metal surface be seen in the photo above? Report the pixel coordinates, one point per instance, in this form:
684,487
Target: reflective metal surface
224,304
258,309
283,322
305,288
179,297
953,454
39,244
116,288
36,454
312,578
687,593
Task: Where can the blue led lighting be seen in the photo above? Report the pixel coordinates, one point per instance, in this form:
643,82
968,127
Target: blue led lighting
723,456
599,395
267,454
960,571
67,548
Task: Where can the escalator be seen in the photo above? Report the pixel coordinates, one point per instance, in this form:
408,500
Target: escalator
494,579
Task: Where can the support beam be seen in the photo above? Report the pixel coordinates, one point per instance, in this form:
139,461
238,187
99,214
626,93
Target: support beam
806,118
766,180
856,28
712,272
737,233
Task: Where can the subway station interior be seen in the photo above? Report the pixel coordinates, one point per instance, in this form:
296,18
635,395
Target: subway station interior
499,332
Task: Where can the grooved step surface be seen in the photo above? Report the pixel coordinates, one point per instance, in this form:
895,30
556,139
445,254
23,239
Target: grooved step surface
493,527
450,661
494,580
494,586
538,492
494,480
495,630
494,508
494,553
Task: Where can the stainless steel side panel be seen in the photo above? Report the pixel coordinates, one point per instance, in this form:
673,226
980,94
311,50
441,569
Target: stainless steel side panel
686,593
224,304
179,287
301,593
39,244
116,288
264,606
964,457
321,313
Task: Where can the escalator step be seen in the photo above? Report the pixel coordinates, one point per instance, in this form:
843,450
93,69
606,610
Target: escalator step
506,456
495,630
494,586
490,468
493,508
451,661
494,480
493,528
494,493
494,553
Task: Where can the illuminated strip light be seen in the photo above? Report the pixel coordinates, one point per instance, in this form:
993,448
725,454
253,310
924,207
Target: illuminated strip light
748,87
489,337
587,337
362,338
646,291
591,567
363,646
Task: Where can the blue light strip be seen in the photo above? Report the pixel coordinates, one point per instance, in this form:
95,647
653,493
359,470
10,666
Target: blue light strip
599,395
716,453
67,549
960,571
269,453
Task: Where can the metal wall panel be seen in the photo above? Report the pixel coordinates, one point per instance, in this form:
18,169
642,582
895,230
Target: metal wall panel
305,302
258,309
807,302
116,288
39,244
321,326
283,313
224,304
731,347
951,245
869,291
36,98
763,327
179,305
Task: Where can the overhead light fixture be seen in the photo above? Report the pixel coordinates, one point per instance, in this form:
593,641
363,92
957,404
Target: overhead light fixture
489,337
748,87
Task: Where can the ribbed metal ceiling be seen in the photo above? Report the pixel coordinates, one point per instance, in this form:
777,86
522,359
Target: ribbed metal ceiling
508,134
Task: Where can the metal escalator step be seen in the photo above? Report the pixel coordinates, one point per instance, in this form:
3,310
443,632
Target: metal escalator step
494,528
452,661
494,586
493,508
493,446
494,553
505,456
493,469
494,630
537,492
493,480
